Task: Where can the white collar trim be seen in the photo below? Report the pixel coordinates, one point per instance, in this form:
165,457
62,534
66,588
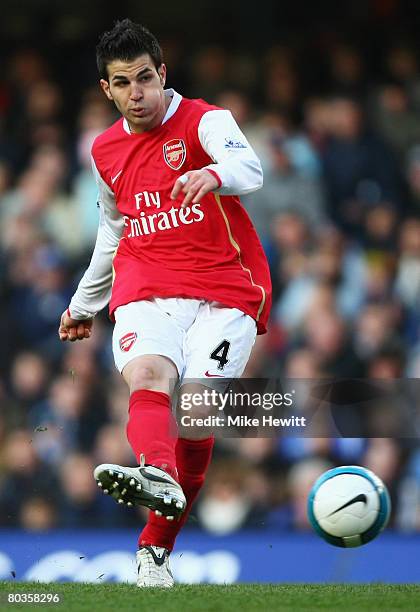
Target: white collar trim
172,108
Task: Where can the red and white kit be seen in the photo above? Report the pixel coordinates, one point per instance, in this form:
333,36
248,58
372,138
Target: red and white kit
148,246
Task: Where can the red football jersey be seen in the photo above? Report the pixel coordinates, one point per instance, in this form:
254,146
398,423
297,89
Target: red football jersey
208,250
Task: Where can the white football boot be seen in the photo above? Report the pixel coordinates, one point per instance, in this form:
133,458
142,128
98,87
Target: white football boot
146,485
153,567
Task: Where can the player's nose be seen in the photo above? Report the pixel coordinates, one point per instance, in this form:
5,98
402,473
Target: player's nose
136,91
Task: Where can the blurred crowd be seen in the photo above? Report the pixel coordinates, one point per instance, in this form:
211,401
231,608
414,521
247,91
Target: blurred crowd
339,219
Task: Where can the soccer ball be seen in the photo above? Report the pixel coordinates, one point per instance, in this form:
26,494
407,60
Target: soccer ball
348,506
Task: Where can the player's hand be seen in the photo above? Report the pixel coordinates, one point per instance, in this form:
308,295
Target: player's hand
195,185
72,329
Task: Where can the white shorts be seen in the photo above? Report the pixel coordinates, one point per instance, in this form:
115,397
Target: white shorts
203,339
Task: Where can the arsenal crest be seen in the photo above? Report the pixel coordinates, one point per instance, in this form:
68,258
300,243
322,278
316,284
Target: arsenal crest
127,341
174,152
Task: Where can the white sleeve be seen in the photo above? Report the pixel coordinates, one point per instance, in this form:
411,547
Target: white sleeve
94,290
236,164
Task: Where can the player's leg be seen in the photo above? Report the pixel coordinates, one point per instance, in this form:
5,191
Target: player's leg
148,351
220,340
151,427
168,332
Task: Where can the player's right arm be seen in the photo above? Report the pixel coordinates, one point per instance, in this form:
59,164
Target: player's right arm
94,290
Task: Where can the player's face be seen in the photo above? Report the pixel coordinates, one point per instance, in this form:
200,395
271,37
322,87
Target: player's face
136,87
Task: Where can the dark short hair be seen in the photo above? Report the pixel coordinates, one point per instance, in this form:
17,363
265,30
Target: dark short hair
126,41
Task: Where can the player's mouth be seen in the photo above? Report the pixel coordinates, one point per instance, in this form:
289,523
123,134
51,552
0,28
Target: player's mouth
139,112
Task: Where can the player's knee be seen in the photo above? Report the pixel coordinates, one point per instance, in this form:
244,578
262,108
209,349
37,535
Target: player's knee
153,373
144,377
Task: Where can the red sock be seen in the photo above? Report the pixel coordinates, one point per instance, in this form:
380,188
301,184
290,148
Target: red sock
152,429
192,460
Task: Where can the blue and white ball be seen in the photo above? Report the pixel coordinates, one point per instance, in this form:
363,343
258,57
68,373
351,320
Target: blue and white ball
348,506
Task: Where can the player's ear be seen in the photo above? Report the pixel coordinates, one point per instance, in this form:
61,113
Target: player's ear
162,74
106,89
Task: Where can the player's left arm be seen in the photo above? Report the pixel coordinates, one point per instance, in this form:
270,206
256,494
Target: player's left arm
236,169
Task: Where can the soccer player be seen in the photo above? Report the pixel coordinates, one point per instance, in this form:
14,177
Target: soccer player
182,268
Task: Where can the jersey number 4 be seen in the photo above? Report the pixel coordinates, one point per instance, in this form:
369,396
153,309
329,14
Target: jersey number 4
220,354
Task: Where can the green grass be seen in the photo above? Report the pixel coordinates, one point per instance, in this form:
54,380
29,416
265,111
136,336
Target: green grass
208,598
